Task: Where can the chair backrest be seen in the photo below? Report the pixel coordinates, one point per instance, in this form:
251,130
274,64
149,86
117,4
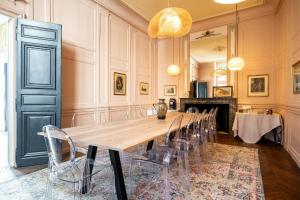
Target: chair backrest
215,112
53,138
73,120
192,125
174,130
192,110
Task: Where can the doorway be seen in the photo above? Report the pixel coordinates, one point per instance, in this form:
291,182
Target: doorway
4,27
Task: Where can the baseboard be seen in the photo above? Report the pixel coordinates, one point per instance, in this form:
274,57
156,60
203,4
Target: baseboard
294,155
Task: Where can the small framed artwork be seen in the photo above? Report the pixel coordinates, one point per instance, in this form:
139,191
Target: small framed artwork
144,88
119,83
296,78
258,85
222,91
170,90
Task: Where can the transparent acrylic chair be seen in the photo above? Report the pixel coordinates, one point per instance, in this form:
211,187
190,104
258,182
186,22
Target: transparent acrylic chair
78,172
162,157
192,110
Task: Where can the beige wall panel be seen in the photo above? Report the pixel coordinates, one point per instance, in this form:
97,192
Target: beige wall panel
81,119
78,19
78,85
119,58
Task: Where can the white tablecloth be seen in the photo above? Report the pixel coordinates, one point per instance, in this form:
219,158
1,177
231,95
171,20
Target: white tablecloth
250,127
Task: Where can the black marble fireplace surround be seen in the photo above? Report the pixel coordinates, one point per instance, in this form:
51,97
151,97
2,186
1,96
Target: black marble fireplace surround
226,112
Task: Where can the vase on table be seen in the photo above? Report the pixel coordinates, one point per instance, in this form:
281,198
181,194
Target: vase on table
161,108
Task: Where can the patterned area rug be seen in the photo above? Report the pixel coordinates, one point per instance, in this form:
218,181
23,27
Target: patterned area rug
232,173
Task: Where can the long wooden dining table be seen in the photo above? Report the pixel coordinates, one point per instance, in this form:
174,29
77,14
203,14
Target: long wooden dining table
120,136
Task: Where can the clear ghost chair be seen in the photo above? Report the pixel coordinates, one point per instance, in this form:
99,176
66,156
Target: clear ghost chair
162,157
192,110
79,172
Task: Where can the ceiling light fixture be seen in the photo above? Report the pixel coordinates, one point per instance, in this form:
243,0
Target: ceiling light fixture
236,63
170,22
228,1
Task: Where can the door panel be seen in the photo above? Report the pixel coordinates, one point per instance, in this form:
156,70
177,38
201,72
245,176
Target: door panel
38,87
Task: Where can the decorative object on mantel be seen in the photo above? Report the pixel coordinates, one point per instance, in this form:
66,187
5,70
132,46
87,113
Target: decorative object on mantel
222,91
228,1
236,63
269,111
170,90
172,104
144,88
161,107
170,22
296,77
119,83
258,85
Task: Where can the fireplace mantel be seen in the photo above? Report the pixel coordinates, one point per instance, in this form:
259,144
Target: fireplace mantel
227,109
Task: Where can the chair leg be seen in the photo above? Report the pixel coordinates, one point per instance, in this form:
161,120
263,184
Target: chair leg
49,187
197,154
183,168
166,181
130,181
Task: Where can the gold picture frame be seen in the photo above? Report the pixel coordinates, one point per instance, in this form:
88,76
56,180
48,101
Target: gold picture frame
170,90
144,88
258,85
120,81
296,78
222,91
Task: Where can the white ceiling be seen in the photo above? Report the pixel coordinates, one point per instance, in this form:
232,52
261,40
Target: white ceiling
199,9
209,49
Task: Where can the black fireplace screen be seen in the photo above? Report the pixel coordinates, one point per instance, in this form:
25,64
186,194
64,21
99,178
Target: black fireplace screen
222,115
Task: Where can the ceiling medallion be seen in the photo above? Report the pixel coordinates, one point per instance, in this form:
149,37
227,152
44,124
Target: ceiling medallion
170,22
228,1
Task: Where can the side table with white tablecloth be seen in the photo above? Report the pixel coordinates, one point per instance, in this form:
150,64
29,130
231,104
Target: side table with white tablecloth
251,127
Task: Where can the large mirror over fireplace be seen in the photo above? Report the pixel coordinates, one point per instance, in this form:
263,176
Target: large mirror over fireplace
209,52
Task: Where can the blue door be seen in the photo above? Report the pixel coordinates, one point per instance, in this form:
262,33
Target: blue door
202,90
38,100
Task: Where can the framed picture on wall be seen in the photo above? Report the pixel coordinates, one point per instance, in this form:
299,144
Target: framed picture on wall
296,78
119,83
222,91
144,88
258,85
170,90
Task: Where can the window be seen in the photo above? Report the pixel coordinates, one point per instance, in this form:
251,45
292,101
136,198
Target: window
220,73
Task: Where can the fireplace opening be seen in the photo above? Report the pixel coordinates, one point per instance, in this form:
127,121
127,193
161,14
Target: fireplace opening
222,115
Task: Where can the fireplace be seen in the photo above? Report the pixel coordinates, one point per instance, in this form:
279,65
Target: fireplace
226,112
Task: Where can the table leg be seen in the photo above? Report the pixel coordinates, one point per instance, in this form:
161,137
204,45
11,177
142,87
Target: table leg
119,178
91,155
149,145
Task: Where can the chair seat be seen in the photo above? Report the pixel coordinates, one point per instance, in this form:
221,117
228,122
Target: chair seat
74,171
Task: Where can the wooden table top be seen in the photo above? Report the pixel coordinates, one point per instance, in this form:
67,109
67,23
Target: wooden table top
125,134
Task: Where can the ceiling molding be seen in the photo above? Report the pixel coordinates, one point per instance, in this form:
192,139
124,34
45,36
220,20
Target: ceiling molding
244,15
207,8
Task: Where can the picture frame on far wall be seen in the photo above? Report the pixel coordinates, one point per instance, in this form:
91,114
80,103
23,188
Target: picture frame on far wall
258,85
170,90
222,91
120,83
296,78
144,88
